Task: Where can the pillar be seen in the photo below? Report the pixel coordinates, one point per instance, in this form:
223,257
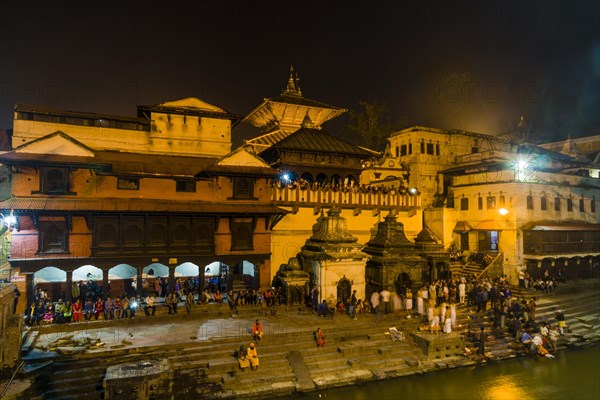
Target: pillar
171,279
69,288
105,283
201,280
139,281
29,288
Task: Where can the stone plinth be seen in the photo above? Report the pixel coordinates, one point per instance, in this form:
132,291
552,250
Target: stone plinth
440,345
143,380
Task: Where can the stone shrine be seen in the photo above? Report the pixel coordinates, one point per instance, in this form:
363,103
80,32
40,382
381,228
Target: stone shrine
334,258
293,281
395,262
438,261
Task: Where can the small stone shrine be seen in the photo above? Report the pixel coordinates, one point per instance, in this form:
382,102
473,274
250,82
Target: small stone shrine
294,281
334,258
394,261
438,261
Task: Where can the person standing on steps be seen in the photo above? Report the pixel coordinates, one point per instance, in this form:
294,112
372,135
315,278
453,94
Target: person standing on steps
560,317
189,302
385,300
482,341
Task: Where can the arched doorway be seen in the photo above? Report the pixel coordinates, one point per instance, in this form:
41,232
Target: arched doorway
52,281
216,277
157,276
336,179
344,289
91,281
403,282
122,278
188,274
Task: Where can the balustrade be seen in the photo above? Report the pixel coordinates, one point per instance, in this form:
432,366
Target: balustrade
344,198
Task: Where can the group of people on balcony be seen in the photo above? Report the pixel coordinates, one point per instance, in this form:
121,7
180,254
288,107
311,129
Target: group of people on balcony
348,185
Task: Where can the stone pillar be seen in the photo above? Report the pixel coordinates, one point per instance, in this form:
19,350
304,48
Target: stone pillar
69,288
139,281
171,279
29,287
105,283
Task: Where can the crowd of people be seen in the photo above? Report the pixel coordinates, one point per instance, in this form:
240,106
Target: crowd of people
346,186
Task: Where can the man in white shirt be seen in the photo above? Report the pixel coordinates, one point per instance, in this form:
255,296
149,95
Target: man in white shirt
385,299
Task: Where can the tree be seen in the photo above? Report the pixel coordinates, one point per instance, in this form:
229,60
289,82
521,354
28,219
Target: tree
374,124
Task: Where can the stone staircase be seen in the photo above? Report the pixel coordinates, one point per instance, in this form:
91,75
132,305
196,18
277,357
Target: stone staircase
582,316
353,355
356,351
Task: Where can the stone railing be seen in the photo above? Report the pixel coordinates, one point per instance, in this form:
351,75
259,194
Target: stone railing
494,269
310,197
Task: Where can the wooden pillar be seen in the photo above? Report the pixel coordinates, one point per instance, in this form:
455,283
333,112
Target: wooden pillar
139,281
69,288
171,279
105,283
29,287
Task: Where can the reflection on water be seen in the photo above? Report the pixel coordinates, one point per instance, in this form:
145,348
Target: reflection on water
505,389
572,375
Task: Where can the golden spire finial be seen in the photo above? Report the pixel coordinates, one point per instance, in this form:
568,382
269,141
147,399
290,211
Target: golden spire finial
292,85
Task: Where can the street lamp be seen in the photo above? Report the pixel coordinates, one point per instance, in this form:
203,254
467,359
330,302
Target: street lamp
503,211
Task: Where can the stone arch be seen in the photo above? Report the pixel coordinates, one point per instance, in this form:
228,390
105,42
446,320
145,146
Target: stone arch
336,179
121,278
155,270
88,273
187,269
51,280
217,276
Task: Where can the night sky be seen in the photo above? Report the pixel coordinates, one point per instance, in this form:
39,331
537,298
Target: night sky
455,65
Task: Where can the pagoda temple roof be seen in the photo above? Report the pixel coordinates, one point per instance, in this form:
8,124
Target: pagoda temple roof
317,140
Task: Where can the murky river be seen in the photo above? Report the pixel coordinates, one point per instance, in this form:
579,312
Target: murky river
572,375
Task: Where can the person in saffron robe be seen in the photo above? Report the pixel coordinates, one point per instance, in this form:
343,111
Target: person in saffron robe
320,338
252,357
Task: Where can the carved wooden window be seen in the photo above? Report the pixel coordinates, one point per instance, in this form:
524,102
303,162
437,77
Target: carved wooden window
53,237
581,205
569,204
464,203
543,203
557,204
480,203
242,236
243,188
54,181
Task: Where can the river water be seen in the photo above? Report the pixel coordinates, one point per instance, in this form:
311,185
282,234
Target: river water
572,375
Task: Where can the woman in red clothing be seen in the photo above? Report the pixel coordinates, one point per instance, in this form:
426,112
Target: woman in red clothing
77,311
98,308
320,338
